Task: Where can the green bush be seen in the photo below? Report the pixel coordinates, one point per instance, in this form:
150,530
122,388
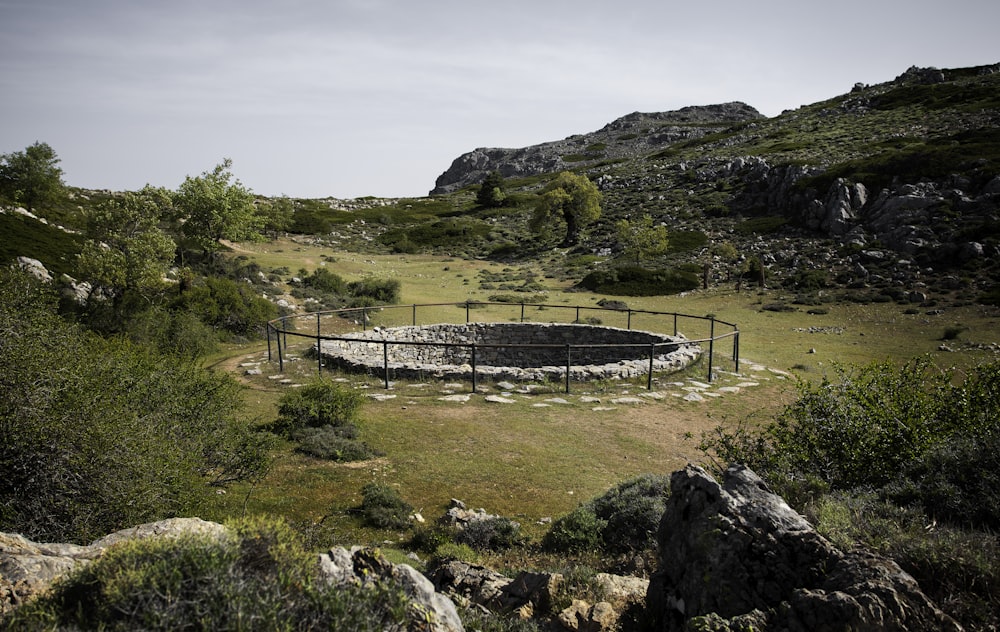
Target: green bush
579,530
228,306
98,434
324,280
334,443
492,534
877,427
623,520
637,281
383,291
259,577
382,507
319,403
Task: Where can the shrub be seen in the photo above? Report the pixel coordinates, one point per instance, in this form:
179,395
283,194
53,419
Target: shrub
228,306
637,281
456,551
319,403
579,530
624,520
258,577
99,435
382,507
384,291
334,443
491,534
324,280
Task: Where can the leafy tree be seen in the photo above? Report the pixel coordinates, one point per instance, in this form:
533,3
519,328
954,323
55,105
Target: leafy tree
127,251
491,193
100,434
642,239
575,198
276,215
214,206
31,177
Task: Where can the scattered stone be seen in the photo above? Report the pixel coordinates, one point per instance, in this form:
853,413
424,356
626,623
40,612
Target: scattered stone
381,397
558,400
598,409
460,398
653,395
587,399
499,399
627,400
694,397
728,389
697,384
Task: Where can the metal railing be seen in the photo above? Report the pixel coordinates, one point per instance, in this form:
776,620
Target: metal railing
349,319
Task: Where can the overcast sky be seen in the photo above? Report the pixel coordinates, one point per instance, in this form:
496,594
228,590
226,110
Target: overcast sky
345,98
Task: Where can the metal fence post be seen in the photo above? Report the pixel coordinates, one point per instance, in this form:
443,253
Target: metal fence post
522,311
281,359
711,348
629,326
414,315
319,348
569,363
267,331
652,354
473,367
385,362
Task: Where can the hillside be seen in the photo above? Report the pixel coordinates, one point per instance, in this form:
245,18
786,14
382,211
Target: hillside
889,186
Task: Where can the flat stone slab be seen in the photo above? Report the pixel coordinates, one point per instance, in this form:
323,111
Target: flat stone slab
694,397
461,399
499,399
628,400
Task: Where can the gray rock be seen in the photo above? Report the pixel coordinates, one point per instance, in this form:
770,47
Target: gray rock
736,553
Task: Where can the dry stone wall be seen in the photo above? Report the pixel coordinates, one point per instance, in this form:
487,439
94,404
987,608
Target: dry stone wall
512,351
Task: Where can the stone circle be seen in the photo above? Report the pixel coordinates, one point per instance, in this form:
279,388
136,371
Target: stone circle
518,352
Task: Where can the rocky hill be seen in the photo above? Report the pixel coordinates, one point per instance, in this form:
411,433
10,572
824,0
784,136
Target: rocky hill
895,184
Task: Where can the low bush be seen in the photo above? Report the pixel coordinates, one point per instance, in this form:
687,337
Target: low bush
492,534
228,306
383,508
319,403
334,443
623,520
638,281
260,578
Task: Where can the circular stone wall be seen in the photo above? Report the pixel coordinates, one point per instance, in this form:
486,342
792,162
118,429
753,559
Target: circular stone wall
509,351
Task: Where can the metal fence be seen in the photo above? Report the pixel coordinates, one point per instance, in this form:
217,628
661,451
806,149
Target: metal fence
312,328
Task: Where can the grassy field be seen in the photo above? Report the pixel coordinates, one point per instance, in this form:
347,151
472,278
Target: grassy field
547,452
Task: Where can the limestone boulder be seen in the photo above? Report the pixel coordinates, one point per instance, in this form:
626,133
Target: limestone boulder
735,554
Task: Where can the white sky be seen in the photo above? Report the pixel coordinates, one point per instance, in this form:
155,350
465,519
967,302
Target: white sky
345,98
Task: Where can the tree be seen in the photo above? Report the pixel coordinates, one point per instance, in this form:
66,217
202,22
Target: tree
127,252
276,215
214,206
31,177
641,238
573,197
491,193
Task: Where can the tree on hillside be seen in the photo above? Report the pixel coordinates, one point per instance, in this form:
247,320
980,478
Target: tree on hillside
31,177
276,215
641,239
127,252
214,206
491,193
573,197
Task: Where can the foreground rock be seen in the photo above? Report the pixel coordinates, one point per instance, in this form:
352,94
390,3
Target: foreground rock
735,556
28,568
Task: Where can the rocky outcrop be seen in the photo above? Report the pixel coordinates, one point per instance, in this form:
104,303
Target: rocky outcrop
28,568
632,135
735,556
533,595
362,566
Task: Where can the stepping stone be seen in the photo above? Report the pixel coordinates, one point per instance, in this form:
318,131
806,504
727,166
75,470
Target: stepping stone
558,400
506,386
460,398
627,400
694,397
748,384
587,399
602,408
653,395
729,389
540,405
497,399
699,384
381,397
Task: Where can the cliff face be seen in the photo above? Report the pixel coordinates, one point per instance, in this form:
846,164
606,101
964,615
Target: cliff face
630,136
